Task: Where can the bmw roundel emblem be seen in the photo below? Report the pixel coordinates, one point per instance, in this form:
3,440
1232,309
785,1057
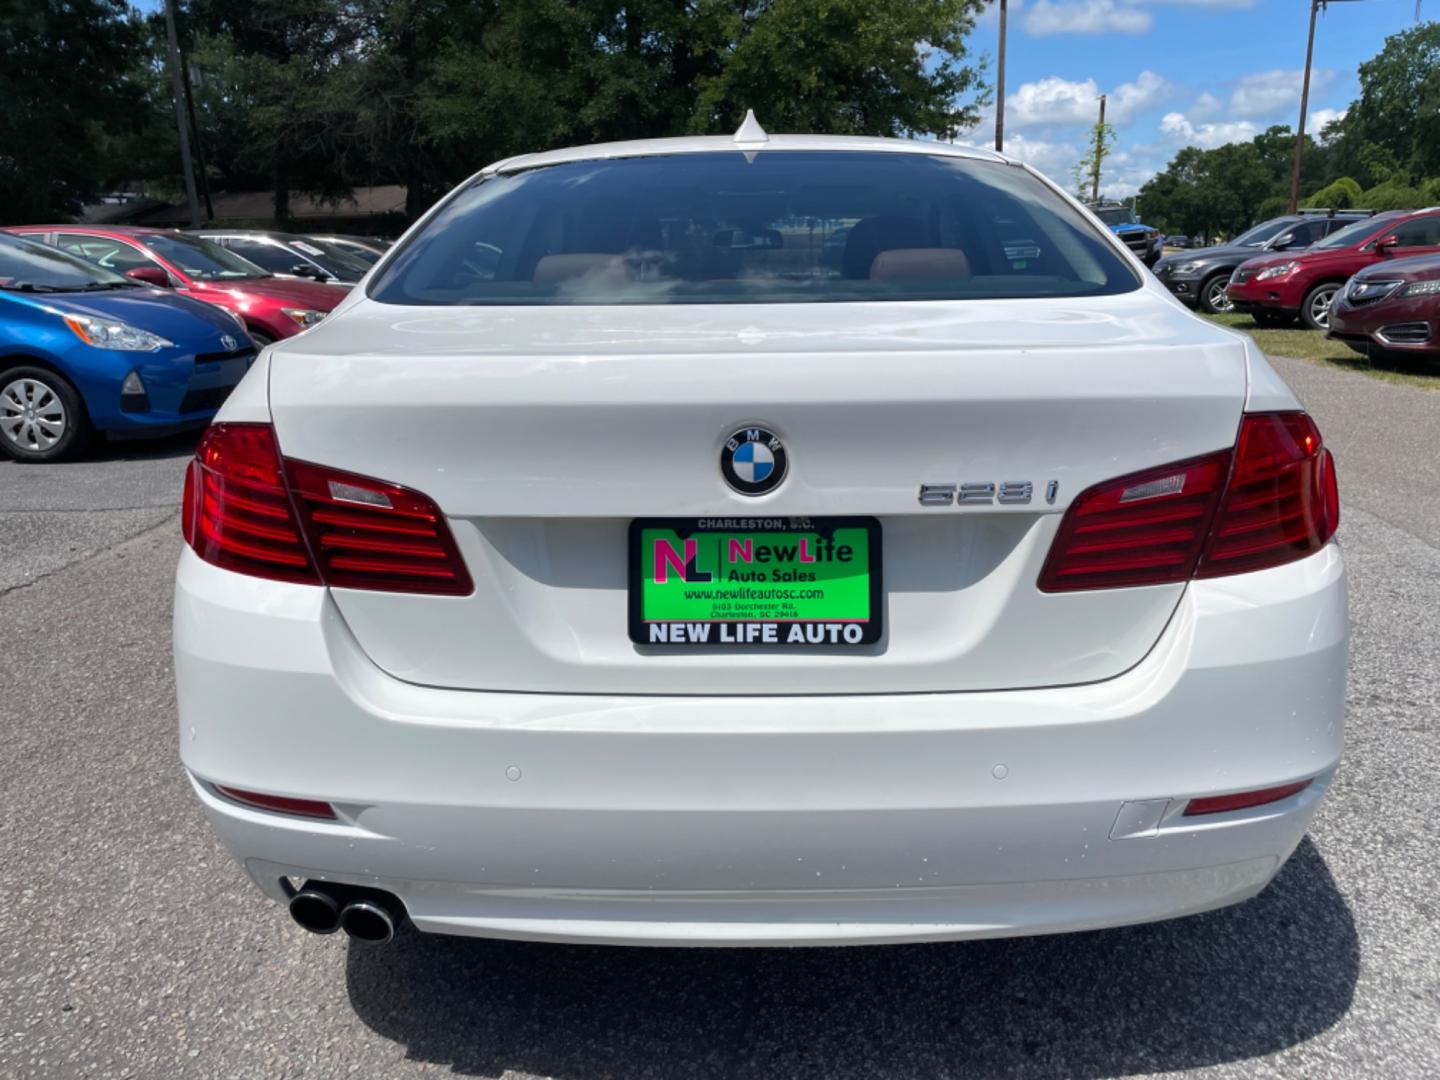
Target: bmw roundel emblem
753,461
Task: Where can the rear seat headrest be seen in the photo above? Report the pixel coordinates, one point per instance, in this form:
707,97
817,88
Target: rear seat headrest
599,268
919,264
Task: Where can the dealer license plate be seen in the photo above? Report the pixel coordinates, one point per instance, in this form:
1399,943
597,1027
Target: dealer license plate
755,582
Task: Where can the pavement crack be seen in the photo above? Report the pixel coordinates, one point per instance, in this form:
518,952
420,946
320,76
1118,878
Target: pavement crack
45,575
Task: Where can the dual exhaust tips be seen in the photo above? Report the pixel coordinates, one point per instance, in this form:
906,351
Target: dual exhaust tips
367,915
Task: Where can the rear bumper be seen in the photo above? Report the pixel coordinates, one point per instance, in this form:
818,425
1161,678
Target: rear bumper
769,820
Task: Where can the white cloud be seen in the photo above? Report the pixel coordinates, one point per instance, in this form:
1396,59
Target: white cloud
1207,136
1270,93
1054,100
1315,121
1049,17
1051,158
1205,106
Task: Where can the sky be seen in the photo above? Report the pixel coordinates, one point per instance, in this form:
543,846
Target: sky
1175,72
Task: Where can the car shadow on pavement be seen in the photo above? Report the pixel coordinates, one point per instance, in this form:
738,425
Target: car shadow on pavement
180,444
1224,986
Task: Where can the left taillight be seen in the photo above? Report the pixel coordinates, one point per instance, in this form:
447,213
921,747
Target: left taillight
249,510
241,517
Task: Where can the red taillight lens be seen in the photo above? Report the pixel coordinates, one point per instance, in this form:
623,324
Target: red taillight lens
1147,528
243,519
368,534
280,804
1281,503
1204,517
241,502
1243,800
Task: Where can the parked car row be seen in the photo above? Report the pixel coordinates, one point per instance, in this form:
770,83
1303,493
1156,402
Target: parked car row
1371,280
1199,276
143,331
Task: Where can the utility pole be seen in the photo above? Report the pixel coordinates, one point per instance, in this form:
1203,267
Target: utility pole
178,92
1000,86
1304,104
199,146
1315,7
1099,154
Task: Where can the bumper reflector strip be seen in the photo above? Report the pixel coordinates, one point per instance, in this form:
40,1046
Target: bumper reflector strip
1241,800
279,804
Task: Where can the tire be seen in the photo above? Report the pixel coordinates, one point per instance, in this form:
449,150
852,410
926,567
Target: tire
1272,320
1315,311
41,416
1219,303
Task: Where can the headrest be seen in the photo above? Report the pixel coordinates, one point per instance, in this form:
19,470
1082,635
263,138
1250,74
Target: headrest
601,269
919,264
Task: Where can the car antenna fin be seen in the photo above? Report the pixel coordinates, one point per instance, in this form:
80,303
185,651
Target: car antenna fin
751,131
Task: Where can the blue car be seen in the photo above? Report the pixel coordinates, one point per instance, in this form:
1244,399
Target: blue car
84,350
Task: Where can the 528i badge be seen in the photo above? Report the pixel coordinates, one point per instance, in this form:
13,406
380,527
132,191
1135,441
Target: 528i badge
762,582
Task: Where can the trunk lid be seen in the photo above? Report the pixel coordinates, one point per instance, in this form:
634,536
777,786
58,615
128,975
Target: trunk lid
542,432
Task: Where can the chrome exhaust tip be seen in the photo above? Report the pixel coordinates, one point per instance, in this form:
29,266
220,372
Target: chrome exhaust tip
368,920
316,911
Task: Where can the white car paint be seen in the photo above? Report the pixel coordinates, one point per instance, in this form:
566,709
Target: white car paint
1007,761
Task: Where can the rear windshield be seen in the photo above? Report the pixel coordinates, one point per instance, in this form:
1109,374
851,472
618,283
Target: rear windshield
766,227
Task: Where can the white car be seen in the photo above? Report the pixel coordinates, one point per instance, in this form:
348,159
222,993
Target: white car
754,541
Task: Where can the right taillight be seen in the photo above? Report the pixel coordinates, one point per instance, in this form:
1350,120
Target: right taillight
249,510
1281,502
1272,500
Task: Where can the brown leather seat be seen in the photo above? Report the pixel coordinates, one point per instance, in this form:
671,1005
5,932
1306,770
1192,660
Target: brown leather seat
919,264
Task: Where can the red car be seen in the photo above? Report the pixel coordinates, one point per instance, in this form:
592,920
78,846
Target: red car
1276,288
271,307
1391,309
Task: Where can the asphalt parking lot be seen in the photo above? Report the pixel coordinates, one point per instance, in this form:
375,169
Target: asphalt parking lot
131,946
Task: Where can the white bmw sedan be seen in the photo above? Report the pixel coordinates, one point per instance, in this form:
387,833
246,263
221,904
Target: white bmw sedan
768,540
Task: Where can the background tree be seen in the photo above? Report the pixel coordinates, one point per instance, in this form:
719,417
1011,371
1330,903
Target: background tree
1088,170
280,92
852,67
68,98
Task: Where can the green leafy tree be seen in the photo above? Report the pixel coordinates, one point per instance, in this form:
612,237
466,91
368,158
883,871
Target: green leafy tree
1392,195
279,96
1089,169
68,95
854,67
1391,132
1340,194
